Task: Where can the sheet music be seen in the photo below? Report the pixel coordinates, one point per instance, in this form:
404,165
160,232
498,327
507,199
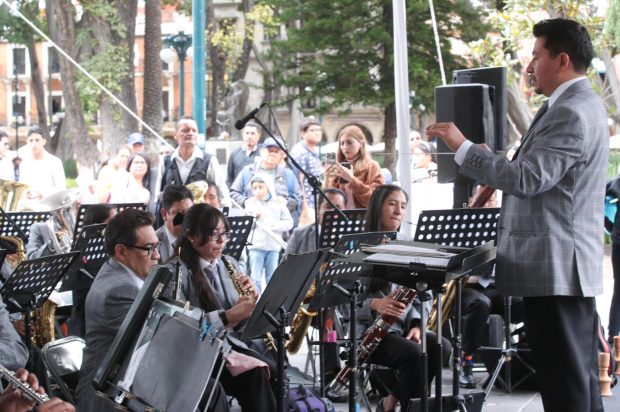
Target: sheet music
390,258
407,250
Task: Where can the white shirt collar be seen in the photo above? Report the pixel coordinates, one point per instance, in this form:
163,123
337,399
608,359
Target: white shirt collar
171,240
561,89
134,278
206,264
196,154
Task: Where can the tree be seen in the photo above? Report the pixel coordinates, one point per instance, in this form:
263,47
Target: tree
342,52
152,102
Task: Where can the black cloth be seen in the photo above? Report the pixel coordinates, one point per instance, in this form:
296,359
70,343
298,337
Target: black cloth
237,161
614,308
171,175
405,357
477,304
562,333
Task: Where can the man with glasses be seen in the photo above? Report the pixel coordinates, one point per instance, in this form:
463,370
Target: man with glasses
306,153
175,200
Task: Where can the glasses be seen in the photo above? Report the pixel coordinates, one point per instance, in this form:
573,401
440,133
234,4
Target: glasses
219,236
148,249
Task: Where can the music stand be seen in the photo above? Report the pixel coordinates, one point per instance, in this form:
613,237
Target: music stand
81,213
333,227
240,229
286,289
32,282
17,224
90,243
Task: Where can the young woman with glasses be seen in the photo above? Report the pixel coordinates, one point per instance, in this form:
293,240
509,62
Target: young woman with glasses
207,283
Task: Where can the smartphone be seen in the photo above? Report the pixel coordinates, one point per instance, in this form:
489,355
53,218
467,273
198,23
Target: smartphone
348,166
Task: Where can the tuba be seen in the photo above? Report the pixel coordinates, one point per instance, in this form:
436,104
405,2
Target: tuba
62,206
11,193
198,189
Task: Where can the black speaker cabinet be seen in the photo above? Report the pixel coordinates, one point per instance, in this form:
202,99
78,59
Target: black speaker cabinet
518,371
469,107
472,402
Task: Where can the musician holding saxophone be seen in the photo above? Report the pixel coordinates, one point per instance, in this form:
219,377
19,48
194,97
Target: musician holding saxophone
211,281
401,348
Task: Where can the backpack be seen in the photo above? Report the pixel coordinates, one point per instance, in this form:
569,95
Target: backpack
302,399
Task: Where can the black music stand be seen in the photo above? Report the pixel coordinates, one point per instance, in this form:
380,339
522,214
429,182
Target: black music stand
333,227
90,243
17,224
284,293
32,282
240,229
81,213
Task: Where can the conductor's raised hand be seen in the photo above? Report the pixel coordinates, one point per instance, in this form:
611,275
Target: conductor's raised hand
448,132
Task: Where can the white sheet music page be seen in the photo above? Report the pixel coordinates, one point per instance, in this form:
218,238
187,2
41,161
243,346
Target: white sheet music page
406,255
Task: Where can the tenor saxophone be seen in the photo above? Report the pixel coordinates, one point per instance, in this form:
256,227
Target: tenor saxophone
234,277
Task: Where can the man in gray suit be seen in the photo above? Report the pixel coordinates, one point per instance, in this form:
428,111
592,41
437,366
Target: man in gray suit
550,246
175,199
13,351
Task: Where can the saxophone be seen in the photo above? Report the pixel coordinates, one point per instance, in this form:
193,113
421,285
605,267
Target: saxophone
372,338
234,277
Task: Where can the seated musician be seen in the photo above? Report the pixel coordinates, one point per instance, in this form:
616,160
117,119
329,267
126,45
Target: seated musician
131,243
206,282
12,399
401,349
175,199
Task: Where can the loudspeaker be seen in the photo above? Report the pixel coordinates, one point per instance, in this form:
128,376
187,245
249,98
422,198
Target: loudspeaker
490,357
469,107
472,402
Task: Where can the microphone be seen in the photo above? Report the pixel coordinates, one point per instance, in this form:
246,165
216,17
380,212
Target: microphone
240,124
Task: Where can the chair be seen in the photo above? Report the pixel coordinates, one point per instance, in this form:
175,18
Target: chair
63,358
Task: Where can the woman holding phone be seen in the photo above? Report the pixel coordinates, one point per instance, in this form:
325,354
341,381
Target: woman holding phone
354,172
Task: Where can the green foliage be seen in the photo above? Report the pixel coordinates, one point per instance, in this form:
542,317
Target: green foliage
105,10
612,23
13,29
70,166
343,49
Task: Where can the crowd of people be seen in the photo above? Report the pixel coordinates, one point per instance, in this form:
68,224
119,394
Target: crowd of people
551,190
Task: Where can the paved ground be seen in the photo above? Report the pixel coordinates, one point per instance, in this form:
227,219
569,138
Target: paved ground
519,400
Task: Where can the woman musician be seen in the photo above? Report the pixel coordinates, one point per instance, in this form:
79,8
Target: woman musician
206,282
401,348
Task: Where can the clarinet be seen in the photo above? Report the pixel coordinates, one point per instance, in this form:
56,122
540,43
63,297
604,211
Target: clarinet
178,277
234,277
372,338
27,391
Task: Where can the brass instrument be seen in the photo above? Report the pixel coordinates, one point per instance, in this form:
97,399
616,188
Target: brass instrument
303,319
448,300
234,277
11,193
198,189
62,206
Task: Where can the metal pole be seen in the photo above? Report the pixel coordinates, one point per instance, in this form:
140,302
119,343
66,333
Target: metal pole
15,103
182,85
199,74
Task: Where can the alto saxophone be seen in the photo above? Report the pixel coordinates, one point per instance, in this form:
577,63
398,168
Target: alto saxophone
234,277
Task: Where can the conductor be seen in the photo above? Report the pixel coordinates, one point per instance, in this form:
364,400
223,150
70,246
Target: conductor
550,247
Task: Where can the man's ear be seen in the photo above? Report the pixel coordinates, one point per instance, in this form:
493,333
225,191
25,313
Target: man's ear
119,250
163,213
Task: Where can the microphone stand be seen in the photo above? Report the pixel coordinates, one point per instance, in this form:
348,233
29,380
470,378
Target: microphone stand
314,182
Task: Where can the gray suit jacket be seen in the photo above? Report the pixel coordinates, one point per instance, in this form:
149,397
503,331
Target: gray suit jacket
549,231
39,241
13,352
107,304
301,241
164,247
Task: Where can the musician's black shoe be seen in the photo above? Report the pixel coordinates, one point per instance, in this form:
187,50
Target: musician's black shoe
337,396
466,377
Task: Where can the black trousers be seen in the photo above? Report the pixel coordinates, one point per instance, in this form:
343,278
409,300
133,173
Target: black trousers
614,308
405,356
477,304
562,333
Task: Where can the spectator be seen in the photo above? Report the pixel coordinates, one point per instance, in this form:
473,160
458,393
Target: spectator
7,172
364,175
423,167
134,188
306,153
135,142
114,170
175,199
271,212
285,183
246,154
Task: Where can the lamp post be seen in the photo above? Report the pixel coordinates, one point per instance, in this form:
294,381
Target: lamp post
180,42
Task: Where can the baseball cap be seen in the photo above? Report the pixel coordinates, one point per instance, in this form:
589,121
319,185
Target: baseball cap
135,137
270,141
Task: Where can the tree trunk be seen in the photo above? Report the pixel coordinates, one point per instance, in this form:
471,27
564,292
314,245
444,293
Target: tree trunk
248,41
389,138
612,98
116,123
38,90
518,112
218,71
77,133
152,104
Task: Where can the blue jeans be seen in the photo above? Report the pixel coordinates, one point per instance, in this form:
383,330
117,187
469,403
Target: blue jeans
259,260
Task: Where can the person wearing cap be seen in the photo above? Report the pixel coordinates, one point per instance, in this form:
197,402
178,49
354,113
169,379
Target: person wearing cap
306,153
246,154
286,185
35,160
135,142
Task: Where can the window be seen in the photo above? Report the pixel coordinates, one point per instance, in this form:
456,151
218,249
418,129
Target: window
55,104
19,109
19,60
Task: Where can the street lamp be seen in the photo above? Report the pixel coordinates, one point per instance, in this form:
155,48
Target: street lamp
180,42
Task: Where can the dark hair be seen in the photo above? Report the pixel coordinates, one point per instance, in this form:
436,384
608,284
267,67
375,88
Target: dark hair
199,222
333,191
373,223
176,125
97,213
35,130
567,36
252,123
306,123
146,179
122,228
174,193
3,134
211,184
373,214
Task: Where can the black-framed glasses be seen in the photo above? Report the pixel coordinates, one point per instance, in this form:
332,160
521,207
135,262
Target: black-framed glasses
219,236
148,249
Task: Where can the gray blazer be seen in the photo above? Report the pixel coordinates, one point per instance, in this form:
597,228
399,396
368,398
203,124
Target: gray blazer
549,231
39,241
13,352
301,241
164,247
107,304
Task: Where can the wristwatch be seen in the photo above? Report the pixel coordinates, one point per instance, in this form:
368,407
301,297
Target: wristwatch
224,318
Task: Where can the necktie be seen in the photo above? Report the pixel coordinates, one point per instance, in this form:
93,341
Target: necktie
537,117
216,284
